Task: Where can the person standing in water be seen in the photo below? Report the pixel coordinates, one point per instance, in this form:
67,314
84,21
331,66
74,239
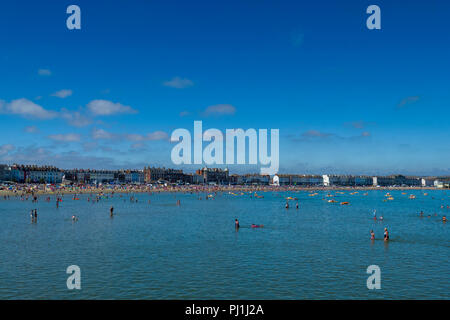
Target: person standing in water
35,215
32,215
296,205
372,235
287,205
386,234
236,224
111,212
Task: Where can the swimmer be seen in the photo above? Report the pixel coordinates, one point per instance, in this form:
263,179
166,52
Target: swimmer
386,234
74,218
444,219
296,205
381,217
257,225
236,223
372,235
374,214
287,205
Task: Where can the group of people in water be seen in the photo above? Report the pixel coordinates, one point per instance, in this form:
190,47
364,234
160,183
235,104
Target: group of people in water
287,205
444,218
385,235
237,226
33,215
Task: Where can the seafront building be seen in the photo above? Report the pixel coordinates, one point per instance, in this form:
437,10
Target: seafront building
152,174
30,174
104,176
205,176
214,175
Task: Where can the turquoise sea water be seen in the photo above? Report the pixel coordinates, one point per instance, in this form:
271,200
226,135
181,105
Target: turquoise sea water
164,251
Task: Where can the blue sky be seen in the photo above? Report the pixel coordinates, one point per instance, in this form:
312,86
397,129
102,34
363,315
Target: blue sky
346,99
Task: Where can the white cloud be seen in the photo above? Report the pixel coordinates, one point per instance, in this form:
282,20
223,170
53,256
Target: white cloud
64,93
178,83
316,134
26,108
408,100
157,135
75,118
32,129
153,136
44,72
98,134
6,148
69,137
106,108
138,146
220,109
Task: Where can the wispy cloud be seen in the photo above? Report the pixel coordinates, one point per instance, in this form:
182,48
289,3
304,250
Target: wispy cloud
70,159
408,100
100,134
219,110
31,129
64,93
107,108
6,148
360,124
184,113
69,137
316,134
153,136
44,72
75,118
179,83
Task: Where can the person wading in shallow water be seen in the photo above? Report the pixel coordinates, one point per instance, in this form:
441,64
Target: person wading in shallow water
236,224
386,234
111,212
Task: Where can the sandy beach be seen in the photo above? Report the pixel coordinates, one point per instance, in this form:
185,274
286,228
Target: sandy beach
21,189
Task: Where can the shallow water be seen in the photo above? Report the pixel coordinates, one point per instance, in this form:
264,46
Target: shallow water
162,251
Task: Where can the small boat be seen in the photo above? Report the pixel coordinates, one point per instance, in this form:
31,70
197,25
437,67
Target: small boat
345,202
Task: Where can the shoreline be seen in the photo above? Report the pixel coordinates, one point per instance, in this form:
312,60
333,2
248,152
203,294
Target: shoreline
29,190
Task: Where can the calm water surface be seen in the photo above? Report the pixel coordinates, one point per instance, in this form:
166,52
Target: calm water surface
162,251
